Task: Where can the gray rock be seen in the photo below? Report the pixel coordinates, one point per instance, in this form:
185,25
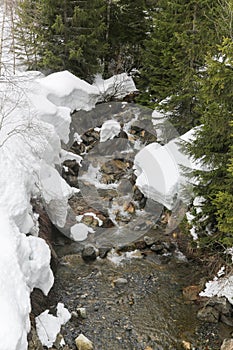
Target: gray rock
34,342
120,281
89,253
149,240
227,344
82,312
157,248
209,314
103,251
222,305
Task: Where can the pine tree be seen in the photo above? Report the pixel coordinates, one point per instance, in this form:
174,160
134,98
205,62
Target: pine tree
214,140
28,34
128,25
69,34
175,54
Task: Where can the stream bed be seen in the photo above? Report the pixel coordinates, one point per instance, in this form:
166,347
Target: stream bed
135,304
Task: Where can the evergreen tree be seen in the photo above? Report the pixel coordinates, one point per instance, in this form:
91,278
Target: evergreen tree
175,54
28,34
128,24
70,34
214,139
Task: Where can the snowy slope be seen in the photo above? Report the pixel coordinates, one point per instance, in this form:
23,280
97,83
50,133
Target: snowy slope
34,118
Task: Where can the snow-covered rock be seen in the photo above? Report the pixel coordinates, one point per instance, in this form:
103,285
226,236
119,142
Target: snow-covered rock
109,130
221,286
159,170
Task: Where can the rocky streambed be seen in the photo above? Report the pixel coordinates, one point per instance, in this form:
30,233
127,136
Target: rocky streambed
128,286
143,299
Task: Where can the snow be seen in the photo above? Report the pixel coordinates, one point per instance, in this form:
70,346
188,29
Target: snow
79,232
65,89
221,287
34,119
159,170
117,86
65,155
48,326
109,130
119,259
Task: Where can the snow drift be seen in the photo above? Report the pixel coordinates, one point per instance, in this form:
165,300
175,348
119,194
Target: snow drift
159,170
34,119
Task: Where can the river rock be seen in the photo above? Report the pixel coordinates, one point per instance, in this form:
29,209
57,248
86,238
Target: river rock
116,167
158,248
83,343
89,253
227,344
103,251
78,148
150,240
224,307
34,342
82,312
129,207
120,281
192,292
209,314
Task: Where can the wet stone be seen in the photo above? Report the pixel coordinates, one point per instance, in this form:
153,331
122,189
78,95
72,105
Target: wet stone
150,240
89,253
78,148
120,281
83,343
103,251
209,314
81,311
157,248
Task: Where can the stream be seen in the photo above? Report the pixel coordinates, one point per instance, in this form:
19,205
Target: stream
131,302
137,303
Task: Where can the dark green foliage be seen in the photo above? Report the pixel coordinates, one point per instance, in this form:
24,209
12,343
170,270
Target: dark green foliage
85,37
213,144
175,55
128,24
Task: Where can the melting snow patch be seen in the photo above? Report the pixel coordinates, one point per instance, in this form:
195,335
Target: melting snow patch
117,86
221,287
109,130
79,232
48,326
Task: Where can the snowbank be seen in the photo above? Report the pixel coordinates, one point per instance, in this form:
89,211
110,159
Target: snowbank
34,119
65,89
159,170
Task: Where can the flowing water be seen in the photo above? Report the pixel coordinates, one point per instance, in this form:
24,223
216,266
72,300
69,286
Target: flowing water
138,304
145,310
